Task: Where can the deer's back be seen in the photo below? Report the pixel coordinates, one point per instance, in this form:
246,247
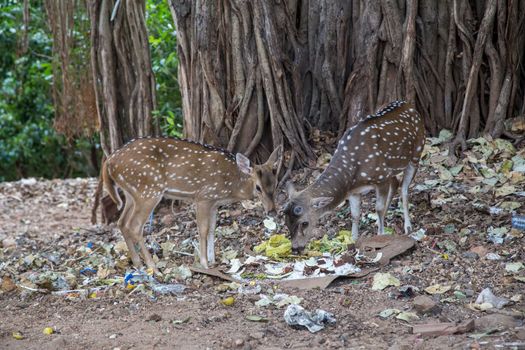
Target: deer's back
381,145
150,167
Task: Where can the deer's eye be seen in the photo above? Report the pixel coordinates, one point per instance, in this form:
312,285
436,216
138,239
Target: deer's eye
298,210
258,188
304,225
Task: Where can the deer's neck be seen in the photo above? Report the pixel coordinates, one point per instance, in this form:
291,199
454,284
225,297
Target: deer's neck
244,187
335,182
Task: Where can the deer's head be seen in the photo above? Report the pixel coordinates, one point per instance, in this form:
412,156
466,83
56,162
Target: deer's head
302,212
264,177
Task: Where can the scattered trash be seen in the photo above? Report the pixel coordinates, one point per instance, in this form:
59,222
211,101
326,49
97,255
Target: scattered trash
487,300
277,246
48,331
383,280
314,321
497,235
419,234
250,289
137,277
164,289
514,266
184,320
278,299
492,256
18,335
518,222
228,301
445,328
256,318
337,245
270,224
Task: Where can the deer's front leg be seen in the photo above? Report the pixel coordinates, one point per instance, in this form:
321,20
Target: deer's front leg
211,235
205,213
355,211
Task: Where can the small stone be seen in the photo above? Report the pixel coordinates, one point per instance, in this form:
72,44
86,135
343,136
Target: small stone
113,336
495,321
470,255
480,250
154,318
239,342
7,284
257,335
469,293
321,340
424,305
520,334
8,242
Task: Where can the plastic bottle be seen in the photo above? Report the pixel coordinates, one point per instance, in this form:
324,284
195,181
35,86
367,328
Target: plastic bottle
518,222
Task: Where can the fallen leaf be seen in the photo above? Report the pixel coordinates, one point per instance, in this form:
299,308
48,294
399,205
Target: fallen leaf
383,280
437,289
256,318
388,312
505,190
514,266
407,316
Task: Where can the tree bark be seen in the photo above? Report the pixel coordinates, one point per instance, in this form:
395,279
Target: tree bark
123,78
255,74
121,65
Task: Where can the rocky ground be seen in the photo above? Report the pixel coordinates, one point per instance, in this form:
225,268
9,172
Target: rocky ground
62,275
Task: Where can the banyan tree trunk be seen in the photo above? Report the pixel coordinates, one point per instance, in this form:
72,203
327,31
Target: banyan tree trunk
123,78
257,74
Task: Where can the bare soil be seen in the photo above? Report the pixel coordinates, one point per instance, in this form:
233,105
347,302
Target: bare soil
48,216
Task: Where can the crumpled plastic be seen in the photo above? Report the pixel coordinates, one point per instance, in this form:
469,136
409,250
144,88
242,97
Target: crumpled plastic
487,297
277,246
314,321
142,277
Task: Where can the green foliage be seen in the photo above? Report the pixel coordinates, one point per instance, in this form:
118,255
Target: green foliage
29,146
164,60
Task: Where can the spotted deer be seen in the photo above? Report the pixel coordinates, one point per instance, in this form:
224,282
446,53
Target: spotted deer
368,157
148,169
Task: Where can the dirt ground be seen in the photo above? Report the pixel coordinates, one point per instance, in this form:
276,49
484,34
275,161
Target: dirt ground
45,217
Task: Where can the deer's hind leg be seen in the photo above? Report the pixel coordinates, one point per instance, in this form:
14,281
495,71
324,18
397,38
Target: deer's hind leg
384,194
123,224
408,176
139,216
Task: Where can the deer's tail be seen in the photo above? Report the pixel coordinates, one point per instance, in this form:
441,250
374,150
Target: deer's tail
110,185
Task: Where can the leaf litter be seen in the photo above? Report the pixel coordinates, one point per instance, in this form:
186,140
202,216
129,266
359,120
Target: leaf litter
454,207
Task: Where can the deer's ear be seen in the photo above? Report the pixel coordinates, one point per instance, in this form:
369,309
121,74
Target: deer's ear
275,158
243,163
321,202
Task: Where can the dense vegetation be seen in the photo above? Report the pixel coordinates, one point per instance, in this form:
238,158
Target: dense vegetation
29,142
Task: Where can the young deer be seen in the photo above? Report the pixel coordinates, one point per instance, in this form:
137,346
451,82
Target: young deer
148,169
368,156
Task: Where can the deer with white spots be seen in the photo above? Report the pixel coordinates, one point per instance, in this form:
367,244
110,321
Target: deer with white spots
148,169
368,157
